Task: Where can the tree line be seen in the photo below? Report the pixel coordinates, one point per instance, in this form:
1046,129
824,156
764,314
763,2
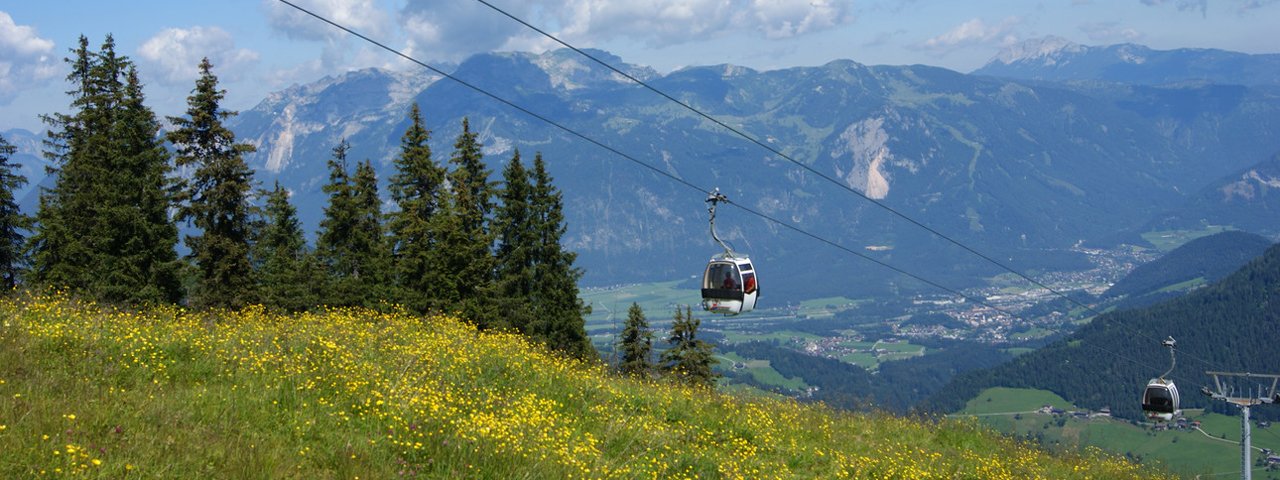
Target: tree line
107,230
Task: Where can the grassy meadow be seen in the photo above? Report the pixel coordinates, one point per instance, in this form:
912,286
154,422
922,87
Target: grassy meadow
88,391
1214,453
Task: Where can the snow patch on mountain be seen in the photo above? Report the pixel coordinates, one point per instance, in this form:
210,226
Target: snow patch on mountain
1047,49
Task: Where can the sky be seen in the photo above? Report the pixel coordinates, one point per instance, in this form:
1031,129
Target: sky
261,46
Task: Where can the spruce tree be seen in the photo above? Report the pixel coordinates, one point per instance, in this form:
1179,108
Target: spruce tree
472,194
636,344
369,242
104,229
145,235
62,255
513,227
558,312
216,200
417,188
689,360
12,221
350,243
288,276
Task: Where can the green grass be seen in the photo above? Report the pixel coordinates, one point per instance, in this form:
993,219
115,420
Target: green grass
784,336
1183,286
900,347
871,360
658,300
1034,332
92,392
1185,451
828,305
1004,400
862,359
762,371
1167,240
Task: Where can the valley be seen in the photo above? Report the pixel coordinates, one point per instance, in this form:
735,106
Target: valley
869,331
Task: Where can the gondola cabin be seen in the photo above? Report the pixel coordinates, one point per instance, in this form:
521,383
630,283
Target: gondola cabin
1160,400
729,285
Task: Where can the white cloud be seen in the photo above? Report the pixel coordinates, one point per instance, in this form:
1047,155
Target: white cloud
1110,32
790,18
1248,5
26,60
363,16
974,32
455,30
1200,5
173,55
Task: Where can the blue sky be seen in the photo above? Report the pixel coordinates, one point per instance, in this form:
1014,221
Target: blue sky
261,46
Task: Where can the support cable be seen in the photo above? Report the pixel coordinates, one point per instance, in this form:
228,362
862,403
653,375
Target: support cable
810,169
699,189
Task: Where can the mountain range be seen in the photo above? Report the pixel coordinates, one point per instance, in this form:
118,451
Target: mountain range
1060,60
1018,169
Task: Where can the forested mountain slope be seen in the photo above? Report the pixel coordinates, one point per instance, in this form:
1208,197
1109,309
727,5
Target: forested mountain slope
1205,259
1232,325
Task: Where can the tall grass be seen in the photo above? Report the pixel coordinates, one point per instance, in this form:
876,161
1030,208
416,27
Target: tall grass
95,392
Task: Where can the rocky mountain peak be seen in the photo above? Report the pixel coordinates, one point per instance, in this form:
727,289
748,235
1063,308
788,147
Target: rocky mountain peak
1046,49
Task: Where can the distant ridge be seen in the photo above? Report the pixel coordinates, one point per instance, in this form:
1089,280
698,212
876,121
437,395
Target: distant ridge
1248,199
1206,259
1057,59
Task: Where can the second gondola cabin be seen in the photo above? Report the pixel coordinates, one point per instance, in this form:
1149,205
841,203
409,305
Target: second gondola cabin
1160,400
729,285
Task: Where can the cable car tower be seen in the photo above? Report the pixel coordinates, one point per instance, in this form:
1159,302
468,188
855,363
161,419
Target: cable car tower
1243,403
1160,399
729,283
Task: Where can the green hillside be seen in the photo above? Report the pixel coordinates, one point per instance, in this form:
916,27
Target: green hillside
1232,325
1205,259
1213,449
94,392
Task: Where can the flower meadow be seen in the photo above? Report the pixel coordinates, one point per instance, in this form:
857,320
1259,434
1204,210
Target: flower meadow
91,391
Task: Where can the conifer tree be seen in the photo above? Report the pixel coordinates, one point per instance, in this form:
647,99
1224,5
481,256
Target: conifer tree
513,226
417,189
472,194
217,198
62,255
450,256
144,234
336,228
689,359
350,243
288,277
636,344
104,228
12,221
369,243
558,312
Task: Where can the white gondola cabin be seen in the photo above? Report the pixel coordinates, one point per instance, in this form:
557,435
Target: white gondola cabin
1160,400
729,285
